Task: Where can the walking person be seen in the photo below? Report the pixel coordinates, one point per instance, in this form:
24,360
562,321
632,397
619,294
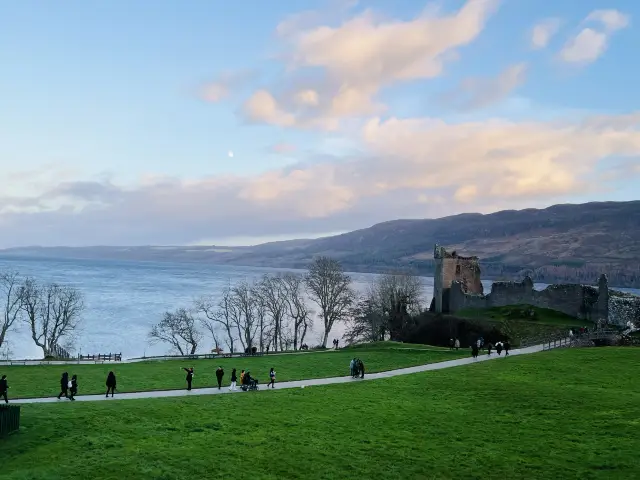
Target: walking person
219,375
489,347
242,374
234,379
272,378
474,350
499,348
4,387
352,367
189,376
507,347
73,387
361,368
64,385
451,344
111,384
457,344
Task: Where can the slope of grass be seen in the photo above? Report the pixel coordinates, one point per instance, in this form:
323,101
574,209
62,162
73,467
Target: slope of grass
39,381
560,414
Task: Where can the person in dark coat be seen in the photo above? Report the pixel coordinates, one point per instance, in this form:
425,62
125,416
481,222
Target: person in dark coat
111,384
4,386
234,379
219,375
64,385
474,350
73,391
361,368
499,348
189,376
507,347
489,347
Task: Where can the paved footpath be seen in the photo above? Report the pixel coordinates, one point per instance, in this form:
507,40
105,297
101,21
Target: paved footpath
283,385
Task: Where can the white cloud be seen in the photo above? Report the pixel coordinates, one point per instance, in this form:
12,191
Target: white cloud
363,55
474,93
542,32
586,47
612,20
406,165
590,44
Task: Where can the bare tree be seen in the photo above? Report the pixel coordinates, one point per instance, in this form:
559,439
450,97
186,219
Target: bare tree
53,313
330,288
11,298
244,300
273,296
263,323
219,312
397,297
386,308
179,330
366,322
298,310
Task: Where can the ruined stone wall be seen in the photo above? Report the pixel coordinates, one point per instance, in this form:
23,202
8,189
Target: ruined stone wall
582,301
623,308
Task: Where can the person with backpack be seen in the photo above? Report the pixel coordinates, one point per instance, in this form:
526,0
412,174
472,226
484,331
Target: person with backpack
4,387
272,378
189,376
64,385
111,384
219,375
73,387
234,379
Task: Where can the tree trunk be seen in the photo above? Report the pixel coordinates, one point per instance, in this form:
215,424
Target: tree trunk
325,338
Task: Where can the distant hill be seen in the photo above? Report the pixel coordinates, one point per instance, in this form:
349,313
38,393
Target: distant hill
556,244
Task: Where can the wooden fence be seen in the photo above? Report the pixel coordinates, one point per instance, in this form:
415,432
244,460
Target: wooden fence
102,357
9,419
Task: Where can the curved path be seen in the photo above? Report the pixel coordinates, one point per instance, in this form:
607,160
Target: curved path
283,385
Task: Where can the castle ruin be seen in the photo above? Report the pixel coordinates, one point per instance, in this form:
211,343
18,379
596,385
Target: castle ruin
450,268
457,286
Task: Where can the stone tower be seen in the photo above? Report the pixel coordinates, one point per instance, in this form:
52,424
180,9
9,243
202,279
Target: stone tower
450,267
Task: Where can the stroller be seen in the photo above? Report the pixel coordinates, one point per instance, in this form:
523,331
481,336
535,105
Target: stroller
249,384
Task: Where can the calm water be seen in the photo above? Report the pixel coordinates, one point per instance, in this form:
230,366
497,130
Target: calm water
123,299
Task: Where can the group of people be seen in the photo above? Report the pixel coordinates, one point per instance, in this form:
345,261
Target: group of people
357,368
245,378
68,388
499,347
454,344
335,343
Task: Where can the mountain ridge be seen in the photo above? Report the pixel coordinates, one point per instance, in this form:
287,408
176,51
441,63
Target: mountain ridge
565,242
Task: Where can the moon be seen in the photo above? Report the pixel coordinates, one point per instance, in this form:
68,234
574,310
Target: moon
230,153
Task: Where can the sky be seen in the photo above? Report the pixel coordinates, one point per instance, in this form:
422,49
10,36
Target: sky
234,123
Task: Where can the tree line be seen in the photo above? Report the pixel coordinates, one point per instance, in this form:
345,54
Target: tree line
272,313
51,312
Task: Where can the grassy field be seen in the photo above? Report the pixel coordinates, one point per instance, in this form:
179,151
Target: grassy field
561,414
39,381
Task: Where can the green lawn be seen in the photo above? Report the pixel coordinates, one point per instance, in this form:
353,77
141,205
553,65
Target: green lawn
560,414
39,381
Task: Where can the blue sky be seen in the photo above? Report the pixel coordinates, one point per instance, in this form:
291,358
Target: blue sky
105,116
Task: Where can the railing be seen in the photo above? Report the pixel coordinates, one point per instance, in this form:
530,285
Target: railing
9,419
111,357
